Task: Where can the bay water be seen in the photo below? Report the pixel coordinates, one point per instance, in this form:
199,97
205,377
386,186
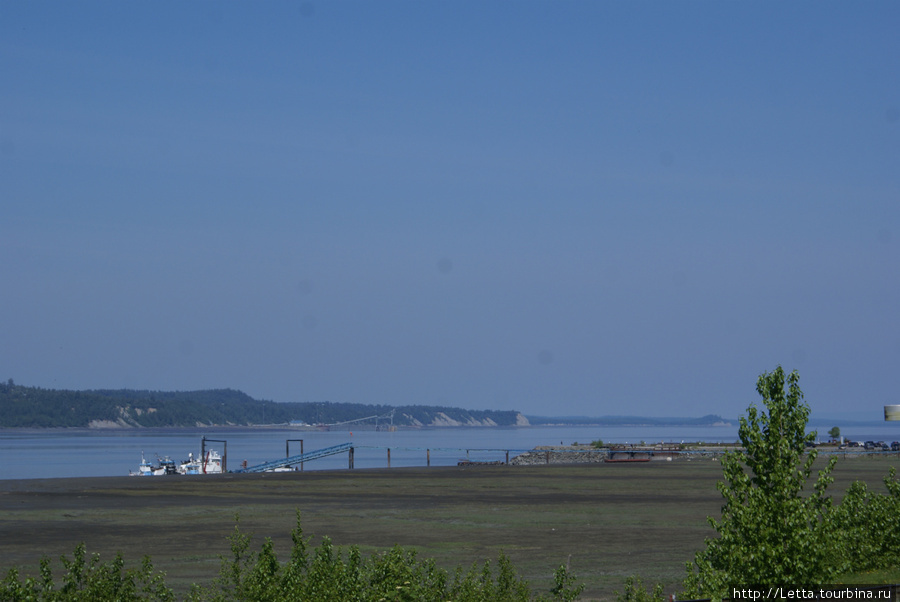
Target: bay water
54,453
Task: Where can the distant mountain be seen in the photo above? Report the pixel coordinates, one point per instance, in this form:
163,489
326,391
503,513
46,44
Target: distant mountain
708,420
33,407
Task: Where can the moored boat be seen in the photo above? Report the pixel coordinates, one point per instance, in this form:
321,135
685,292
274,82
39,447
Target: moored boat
147,469
210,463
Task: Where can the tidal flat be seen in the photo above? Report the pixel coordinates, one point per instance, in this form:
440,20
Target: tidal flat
607,521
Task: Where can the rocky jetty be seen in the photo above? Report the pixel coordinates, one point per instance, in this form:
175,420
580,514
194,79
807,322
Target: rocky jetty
560,455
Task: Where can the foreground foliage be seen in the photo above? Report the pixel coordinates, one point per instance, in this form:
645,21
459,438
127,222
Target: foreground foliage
771,531
88,580
868,528
636,592
322,574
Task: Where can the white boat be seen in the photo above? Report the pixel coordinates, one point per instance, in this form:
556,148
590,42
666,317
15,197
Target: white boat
162,466
282,469
211,463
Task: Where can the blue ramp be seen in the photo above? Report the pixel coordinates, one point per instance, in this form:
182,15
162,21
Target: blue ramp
308,456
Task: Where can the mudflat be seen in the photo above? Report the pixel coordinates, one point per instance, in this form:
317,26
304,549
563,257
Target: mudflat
607,521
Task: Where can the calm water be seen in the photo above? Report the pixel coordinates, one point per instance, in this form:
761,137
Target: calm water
66,453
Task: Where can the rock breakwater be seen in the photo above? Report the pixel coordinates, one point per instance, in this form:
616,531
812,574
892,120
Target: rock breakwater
559,456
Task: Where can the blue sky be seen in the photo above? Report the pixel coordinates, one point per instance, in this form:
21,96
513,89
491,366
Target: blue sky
555,207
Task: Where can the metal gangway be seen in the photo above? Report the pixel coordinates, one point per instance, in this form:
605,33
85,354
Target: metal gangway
308,456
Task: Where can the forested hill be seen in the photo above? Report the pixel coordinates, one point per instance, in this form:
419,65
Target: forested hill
33,407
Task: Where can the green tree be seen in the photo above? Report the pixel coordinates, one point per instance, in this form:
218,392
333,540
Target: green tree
869,527
770,532
835,433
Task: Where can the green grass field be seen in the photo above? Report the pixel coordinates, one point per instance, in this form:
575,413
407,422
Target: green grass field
608,521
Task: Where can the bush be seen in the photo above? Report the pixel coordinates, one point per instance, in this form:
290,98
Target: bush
635,592
868,527
328,575
88,582
325,575
565,586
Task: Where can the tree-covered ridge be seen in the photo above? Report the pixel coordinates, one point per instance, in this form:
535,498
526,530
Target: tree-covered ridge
34,407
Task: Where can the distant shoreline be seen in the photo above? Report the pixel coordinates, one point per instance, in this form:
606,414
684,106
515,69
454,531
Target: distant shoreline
814,425
366,427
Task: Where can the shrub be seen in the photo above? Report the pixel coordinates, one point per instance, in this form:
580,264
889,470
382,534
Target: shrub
328,575
635,592
88,581
565,586
325,575
867,526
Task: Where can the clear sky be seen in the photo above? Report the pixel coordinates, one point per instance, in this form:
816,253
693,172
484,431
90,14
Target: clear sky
562,208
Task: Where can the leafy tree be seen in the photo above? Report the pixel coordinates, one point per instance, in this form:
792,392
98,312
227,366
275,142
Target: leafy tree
869,527
770,532
835,433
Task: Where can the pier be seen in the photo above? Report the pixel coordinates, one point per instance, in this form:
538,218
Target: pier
301,458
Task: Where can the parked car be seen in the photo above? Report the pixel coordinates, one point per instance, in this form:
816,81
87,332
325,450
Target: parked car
870,445
895,446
